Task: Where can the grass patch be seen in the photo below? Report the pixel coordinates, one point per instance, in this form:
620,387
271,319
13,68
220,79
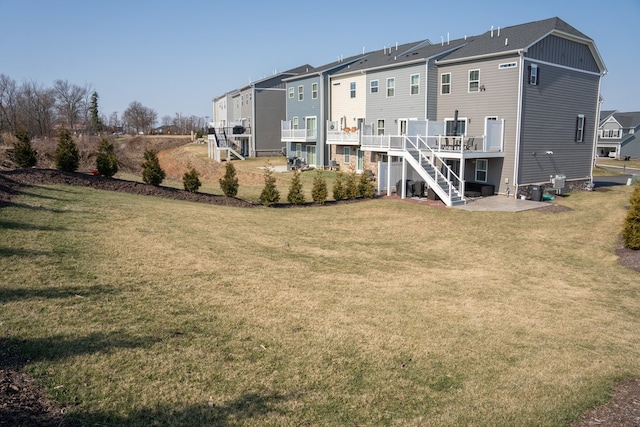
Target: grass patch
141,311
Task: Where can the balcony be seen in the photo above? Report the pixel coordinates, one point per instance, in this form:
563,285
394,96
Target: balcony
337,135
289,133
610,133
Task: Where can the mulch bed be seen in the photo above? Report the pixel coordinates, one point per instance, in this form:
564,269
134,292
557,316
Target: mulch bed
22,401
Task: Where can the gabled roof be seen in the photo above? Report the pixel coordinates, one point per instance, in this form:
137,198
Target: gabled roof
630,120
500,41
605,114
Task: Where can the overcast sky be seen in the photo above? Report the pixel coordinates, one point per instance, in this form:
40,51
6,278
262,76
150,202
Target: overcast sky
174,56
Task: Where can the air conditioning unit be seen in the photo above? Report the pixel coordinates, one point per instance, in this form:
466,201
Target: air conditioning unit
558,182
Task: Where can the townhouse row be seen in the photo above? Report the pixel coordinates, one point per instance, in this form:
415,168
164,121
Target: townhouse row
502,110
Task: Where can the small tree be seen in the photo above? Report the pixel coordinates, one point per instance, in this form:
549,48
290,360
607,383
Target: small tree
152,173
631,230
366,188
319,192
351,186
270,194
229,183
67,157
338,187
295,196
106,161
23,154
191,180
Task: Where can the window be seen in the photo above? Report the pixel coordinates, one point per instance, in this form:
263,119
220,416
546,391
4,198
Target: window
445,83
456,130
300,93
347,154
474,80
314,91
352,89
580,128
391,86
298,150
508,65
374,86
533,75
291,92
415,84
380,126
481,170
295,123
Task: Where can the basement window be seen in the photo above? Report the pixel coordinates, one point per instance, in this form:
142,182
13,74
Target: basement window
482,165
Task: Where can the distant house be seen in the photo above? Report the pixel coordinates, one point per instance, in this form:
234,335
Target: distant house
618,135
247,120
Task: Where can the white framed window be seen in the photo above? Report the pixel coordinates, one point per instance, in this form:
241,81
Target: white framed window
292,92
352,89
580,128
445,83
380,127
482,166
533,75
391,87
373,86
451,128
298,150
507,65
474,80
414,84
347,154
300,93
295,123
314,91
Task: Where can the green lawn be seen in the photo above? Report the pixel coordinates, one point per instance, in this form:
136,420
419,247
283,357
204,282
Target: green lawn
133,310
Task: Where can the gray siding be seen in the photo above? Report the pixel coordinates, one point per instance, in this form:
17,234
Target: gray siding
499,99
432,89
550,110
270,111
307,107
401,106
564,52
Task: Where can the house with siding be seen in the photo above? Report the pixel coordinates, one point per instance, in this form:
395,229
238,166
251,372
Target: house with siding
307,108
618,135
247,120
496,113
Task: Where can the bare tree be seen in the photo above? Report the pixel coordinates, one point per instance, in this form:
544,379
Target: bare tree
71,103
139,117
9,95
36,108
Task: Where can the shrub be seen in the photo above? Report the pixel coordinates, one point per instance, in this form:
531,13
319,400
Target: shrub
319,192
152,173
366,188
67,157
631,230
351,186
106,161
270,194
23,154
295,196
191,180
338,187
229,183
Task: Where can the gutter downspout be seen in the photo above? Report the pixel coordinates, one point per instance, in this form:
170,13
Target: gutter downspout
252,153
320,124
595,131
516,163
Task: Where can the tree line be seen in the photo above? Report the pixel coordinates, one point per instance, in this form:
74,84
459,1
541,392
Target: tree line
43,111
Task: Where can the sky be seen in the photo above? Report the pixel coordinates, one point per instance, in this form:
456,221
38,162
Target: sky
175,56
